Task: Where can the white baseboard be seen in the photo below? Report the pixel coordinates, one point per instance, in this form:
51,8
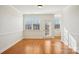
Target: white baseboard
69,46
10,45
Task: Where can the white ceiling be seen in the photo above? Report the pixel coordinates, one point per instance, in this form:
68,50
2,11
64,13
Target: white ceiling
33,9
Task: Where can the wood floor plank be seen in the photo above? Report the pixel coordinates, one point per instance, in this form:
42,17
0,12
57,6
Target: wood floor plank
39,46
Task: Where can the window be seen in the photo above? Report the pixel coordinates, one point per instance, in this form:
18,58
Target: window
36,27
46,29
57,26
28,26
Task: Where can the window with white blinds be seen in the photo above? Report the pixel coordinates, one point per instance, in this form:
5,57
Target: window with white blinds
32,23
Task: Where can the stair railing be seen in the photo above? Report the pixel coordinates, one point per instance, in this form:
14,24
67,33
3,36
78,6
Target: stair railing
69,40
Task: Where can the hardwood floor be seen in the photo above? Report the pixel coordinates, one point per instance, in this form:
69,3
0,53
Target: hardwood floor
39,46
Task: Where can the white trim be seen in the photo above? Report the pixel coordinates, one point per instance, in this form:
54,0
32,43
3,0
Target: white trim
69,40
10,45
33,38
7,47
70,47
15,9
9,33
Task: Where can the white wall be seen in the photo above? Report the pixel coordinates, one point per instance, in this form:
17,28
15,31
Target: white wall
71,21
11,26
